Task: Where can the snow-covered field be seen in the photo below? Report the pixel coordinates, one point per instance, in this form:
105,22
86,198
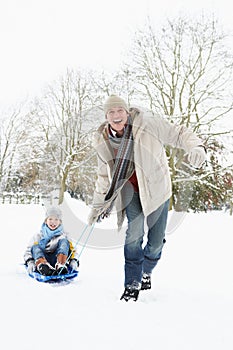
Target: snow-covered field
190,306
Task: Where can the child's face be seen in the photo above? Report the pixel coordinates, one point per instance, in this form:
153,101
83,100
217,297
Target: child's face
52,222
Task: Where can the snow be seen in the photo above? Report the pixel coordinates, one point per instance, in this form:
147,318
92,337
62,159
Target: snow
189,307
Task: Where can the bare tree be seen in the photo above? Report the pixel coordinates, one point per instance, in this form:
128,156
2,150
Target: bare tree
184,71
11,134
119,83
66,122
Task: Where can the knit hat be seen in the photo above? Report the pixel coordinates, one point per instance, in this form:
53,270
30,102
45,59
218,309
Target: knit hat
53,211
114,101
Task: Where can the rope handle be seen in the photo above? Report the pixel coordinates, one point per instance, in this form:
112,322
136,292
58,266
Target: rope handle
77,242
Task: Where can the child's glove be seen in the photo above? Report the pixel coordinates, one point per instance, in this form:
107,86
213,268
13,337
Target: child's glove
31,267
197,156
74,264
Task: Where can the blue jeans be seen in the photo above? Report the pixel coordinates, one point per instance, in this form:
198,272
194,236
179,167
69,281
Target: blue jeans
139,259
63,247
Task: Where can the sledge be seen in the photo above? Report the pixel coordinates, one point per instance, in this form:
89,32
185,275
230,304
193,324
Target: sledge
72,274
54,278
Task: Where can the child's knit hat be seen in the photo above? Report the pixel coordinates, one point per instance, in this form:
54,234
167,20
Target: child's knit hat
53,211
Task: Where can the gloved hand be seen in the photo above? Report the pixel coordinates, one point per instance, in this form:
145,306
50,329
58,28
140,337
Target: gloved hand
74,264
197,157
31,266
93,216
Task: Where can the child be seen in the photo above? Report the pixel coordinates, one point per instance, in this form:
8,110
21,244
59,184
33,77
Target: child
48,250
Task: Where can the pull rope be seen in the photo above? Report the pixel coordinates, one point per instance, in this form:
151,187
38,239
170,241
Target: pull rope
77,242
86,240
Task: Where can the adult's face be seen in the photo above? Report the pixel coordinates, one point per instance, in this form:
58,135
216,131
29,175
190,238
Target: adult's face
117,118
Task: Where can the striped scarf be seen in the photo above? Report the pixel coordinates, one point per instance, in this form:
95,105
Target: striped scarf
123,168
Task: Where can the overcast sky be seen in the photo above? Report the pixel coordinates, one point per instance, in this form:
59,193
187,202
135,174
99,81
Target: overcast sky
40,39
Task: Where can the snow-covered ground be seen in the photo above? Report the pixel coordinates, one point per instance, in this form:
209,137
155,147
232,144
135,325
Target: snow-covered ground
190,306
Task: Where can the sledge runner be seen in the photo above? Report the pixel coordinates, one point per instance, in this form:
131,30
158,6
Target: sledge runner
50,252
133,174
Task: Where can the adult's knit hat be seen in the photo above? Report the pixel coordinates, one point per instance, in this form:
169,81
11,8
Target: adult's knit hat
114,101
53,211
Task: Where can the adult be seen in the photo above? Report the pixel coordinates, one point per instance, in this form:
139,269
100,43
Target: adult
133,174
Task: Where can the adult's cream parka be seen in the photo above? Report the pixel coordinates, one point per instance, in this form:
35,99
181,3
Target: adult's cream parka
151,133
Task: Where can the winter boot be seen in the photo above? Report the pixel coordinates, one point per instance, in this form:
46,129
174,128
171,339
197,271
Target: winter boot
146,281
44,268
61,268
131,291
